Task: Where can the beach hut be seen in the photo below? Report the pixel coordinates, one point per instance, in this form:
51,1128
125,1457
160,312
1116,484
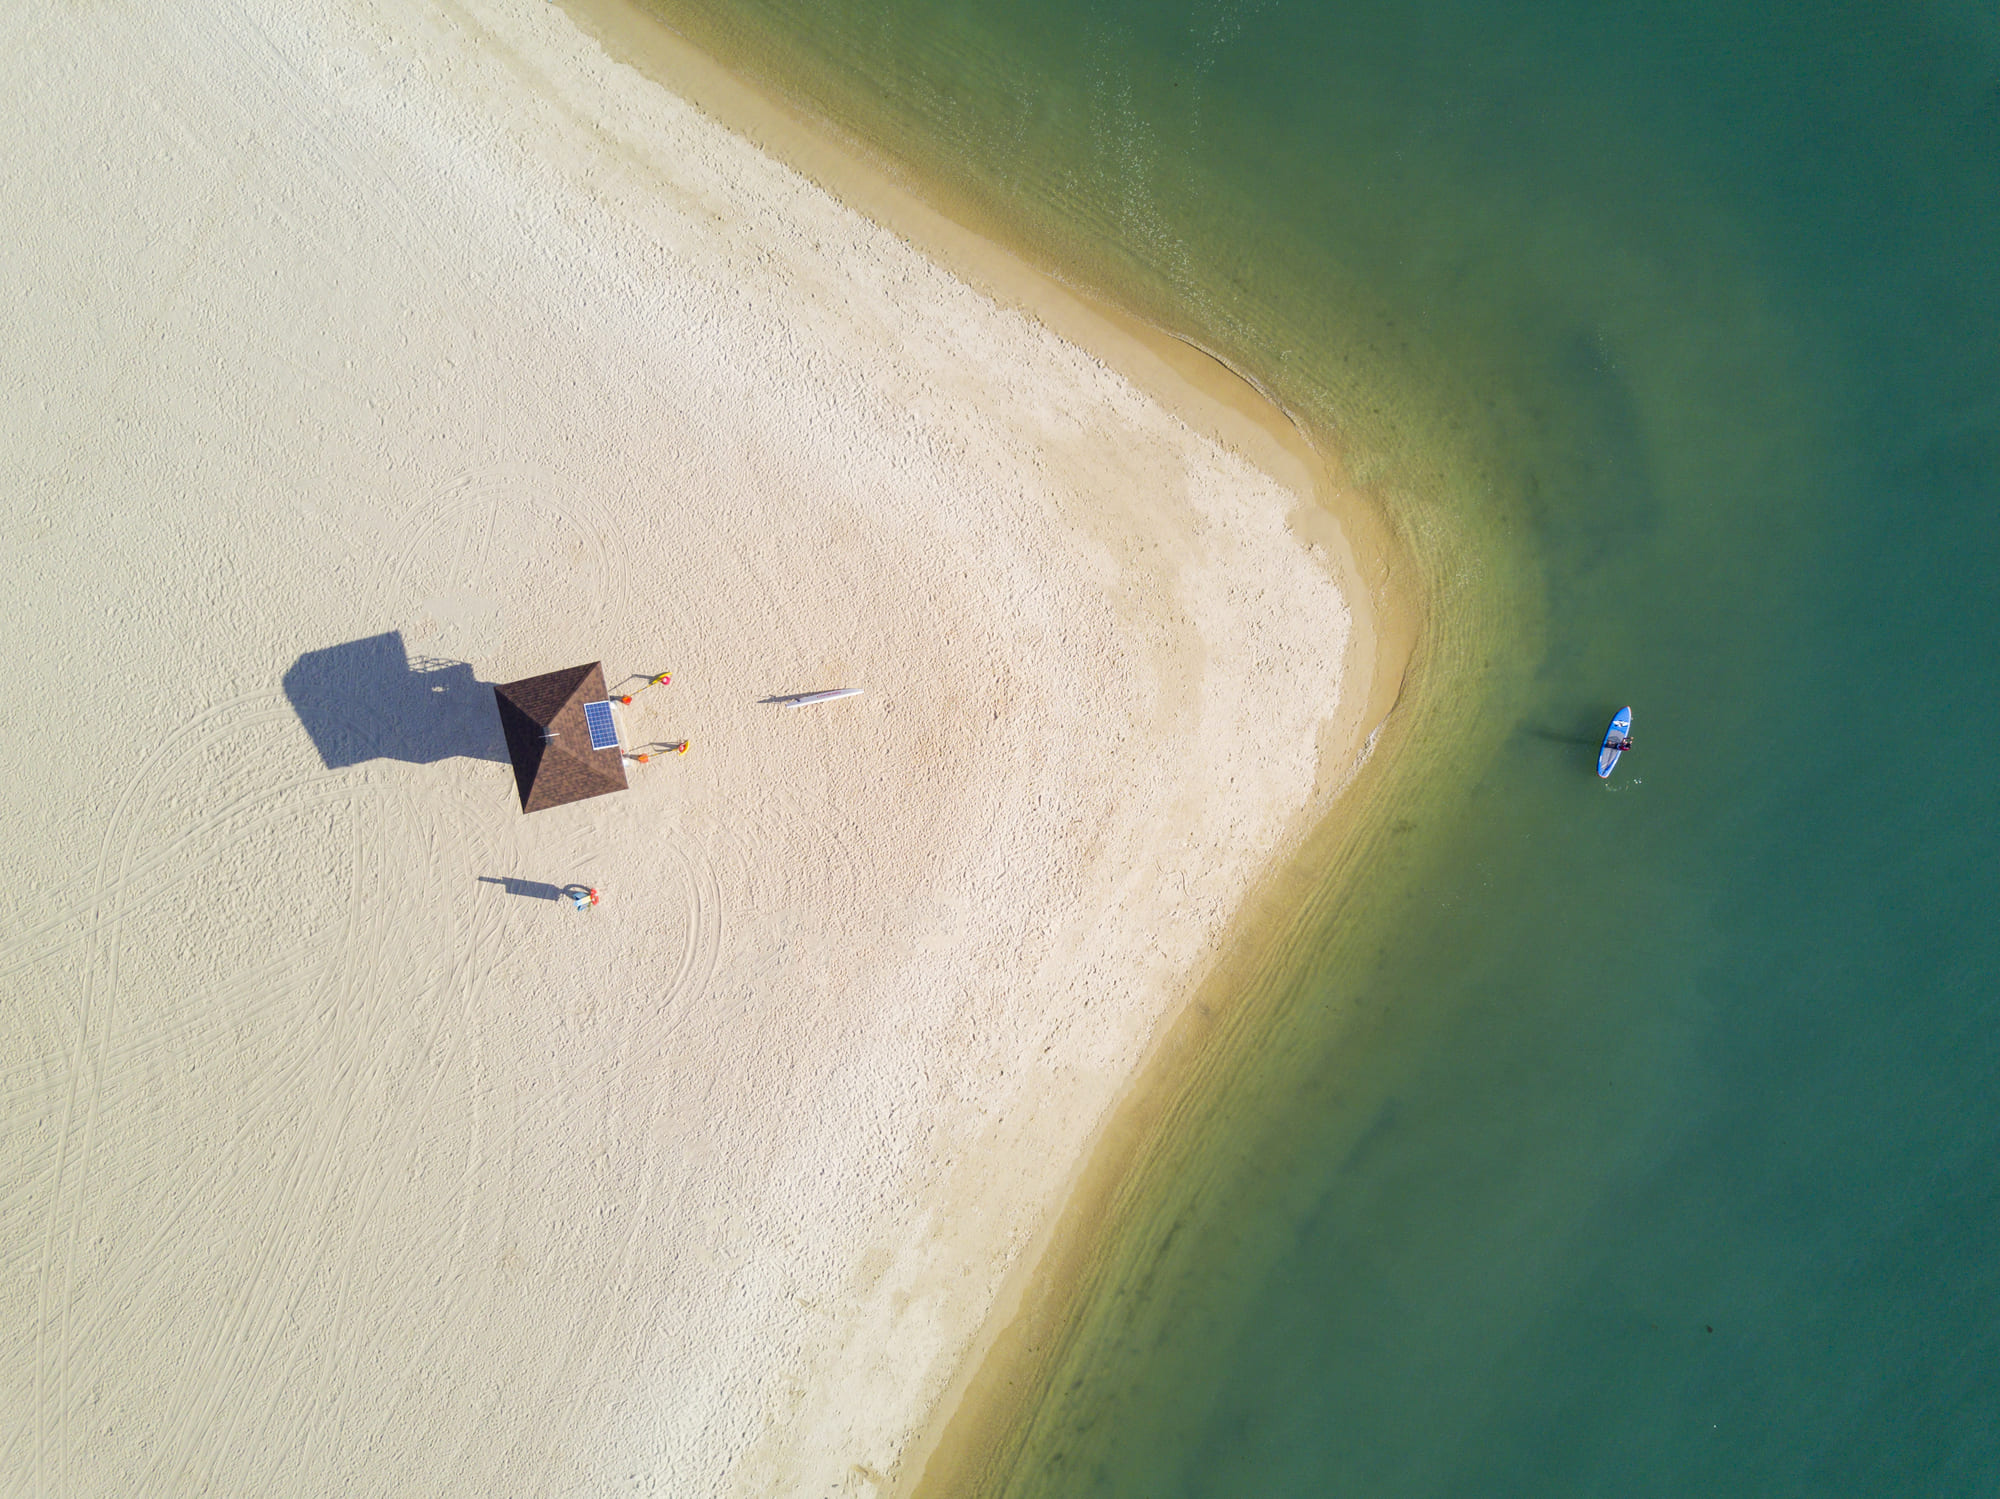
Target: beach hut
561,736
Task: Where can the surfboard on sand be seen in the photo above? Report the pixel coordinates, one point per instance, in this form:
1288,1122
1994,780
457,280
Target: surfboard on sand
1618,733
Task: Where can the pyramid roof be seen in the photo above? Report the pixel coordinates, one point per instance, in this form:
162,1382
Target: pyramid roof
549,741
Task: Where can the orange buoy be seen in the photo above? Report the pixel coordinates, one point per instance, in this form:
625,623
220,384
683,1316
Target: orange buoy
655,681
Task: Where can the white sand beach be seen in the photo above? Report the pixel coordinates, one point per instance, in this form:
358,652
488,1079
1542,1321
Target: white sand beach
360,356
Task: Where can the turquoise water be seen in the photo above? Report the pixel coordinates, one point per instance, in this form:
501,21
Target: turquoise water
1639,1138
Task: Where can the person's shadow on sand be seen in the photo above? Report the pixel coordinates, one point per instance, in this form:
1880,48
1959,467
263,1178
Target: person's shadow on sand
532,889
366,700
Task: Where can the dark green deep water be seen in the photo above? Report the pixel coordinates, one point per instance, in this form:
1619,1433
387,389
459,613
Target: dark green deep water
1639,1139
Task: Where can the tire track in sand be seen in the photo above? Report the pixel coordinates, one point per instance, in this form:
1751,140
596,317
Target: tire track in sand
243,1325
110,905
451,993
449,545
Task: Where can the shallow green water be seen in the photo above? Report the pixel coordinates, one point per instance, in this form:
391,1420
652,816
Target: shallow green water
1639,1138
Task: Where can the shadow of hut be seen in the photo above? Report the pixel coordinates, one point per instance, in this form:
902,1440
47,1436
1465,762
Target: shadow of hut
367,700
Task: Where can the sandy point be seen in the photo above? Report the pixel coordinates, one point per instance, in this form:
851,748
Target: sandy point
360,357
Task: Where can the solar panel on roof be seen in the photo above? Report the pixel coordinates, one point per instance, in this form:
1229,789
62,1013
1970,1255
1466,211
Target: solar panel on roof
603,732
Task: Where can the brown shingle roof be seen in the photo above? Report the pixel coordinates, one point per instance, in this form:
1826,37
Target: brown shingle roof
549,742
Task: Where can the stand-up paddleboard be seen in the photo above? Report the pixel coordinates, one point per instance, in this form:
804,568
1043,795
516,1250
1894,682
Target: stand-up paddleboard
806,699
1618,733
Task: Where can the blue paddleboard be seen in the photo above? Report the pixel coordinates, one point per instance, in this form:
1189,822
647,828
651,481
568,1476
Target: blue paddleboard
1618,733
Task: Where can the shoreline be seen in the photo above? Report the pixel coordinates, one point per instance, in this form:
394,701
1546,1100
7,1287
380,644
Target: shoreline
720,1176
1200,387
951,1451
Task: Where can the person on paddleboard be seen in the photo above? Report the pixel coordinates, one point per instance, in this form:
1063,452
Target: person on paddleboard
1622,745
